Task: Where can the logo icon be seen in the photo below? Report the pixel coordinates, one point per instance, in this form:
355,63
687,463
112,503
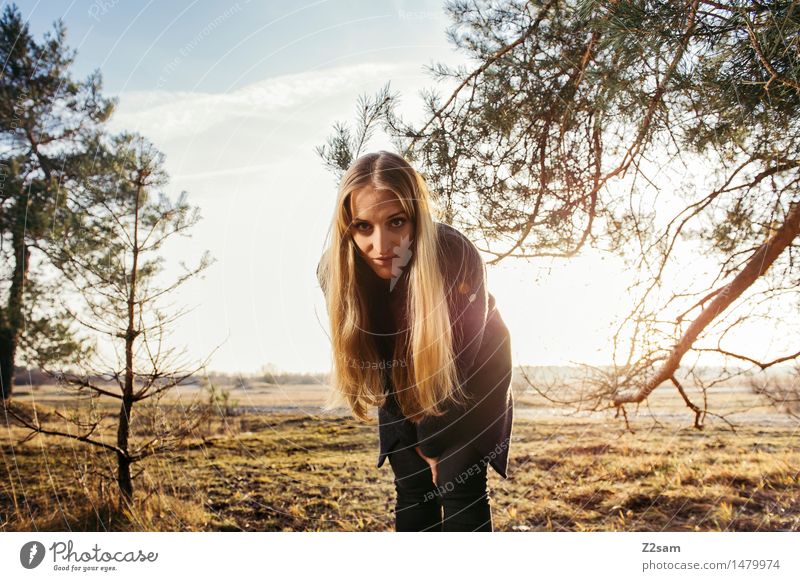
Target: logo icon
31,554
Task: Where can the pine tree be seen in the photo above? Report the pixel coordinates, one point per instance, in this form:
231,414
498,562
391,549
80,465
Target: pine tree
550,142
113,261
49,129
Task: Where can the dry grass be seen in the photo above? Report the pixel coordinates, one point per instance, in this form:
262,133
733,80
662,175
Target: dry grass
290,472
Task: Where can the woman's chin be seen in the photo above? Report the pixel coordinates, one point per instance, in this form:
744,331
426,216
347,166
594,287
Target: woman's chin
385,272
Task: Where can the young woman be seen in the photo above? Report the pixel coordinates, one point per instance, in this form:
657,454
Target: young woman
416,334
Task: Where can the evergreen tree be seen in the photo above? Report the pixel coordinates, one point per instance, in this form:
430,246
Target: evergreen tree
554,135
49,130
113,261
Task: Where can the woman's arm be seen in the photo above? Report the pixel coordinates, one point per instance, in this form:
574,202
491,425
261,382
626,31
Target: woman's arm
468,303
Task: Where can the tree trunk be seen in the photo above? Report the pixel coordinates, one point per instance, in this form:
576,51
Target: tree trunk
123,461
12,324
758,264
124,473
8,348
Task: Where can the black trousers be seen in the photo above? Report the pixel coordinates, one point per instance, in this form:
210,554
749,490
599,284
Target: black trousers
458,501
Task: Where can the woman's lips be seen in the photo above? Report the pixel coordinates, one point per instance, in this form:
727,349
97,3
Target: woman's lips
384,260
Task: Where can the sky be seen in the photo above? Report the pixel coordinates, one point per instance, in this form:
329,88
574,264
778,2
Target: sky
237,95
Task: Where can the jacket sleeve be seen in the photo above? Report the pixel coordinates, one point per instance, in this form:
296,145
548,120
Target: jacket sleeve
467,297
468,304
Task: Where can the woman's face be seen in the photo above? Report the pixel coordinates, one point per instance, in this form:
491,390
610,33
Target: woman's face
381,229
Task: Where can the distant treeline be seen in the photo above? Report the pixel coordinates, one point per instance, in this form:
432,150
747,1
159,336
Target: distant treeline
27,376
31,376
275,377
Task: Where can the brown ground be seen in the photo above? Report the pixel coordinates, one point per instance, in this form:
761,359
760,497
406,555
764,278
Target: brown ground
265,470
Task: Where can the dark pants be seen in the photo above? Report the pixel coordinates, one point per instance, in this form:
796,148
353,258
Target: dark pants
457,502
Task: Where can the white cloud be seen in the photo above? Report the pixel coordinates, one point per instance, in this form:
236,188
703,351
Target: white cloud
165,116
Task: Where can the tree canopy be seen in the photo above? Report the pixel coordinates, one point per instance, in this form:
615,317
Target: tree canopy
554,140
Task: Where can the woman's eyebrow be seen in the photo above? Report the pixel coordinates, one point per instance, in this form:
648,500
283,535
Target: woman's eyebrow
389,218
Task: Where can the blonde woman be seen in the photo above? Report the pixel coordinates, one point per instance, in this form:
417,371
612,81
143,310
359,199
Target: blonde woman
416,334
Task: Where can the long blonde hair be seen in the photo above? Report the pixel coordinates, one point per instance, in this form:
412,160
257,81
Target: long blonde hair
427,379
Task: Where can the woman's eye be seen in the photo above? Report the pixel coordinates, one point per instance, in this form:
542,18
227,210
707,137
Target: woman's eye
365,226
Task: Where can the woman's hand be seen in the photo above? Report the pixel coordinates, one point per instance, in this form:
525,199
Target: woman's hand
431,461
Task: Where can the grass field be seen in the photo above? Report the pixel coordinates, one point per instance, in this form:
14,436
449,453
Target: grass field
263,470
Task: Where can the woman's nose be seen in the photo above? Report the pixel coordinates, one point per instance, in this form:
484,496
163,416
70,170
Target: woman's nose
383,243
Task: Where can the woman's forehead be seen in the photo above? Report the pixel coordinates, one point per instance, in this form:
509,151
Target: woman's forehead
368,203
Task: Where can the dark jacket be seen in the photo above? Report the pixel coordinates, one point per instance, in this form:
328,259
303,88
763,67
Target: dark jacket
482,348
